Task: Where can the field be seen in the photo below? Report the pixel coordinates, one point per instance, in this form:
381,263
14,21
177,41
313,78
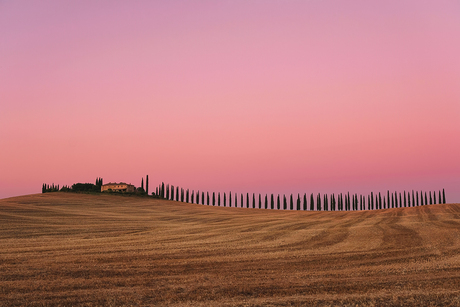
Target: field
75,249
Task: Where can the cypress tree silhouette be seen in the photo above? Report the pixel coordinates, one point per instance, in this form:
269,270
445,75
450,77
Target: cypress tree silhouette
392,200
247,200
434,197
400,200
326,203
443,196
167,191
426,200
266,201
218,199
242,200
253,201
213,198
298,202
177,194
291,204
408,199
348,200
312,202
372,201
192,197
278,205
318,202
305,202
198,197
225,200
146,184
284,202
187,199
404,198
172,192
396,200
142,183
421,198
380,201
431,199
162,190
230,199
260,201
272,202
439,198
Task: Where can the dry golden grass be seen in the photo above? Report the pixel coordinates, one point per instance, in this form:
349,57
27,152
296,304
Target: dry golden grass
73,249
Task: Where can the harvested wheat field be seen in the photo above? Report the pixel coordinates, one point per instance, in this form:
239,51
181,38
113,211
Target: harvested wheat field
74,249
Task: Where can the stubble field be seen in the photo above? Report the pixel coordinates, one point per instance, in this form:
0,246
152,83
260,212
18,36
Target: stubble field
74,249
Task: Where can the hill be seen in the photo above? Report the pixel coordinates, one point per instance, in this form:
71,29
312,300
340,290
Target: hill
76,249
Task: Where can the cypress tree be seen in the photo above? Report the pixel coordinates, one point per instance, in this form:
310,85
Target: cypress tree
380,201
318,202
348,201
198,197
142,183
253,200
213,198
443,196
421,198
408,199
218,199
146,184
225,200
404,198
260,201
291,204
172,192
431,199
298,202
305,202
396,200
326,203
278,203
434,197
392,200
167,191
272,202
312,202
247,200
284,202
266,201
439,198
230,199
372,201
426,200
207,198
413,199
187,200
193,197
400,200
162,190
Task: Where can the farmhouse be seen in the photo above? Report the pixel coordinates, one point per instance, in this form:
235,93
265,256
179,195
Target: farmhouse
118,187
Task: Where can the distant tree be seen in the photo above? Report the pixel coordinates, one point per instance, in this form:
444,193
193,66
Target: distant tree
202,198
318,202
305,202
272,202
298,202
198,197
284,202
443,196
426,199
167,191
291,204
213,198
312,202
439,198
207,198
266,202
380,201
434,197
405,201
260,201
431,199
247,200
230,199
192,197
225,199
142,183
162,190
278,203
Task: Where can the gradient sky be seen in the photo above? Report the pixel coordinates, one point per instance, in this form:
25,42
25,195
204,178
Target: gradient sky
248,96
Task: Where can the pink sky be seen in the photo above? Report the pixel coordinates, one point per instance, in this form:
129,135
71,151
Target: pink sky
247,96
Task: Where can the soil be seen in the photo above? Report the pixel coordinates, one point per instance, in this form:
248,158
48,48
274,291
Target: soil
64,249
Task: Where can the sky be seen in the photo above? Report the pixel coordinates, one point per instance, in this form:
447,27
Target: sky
245,96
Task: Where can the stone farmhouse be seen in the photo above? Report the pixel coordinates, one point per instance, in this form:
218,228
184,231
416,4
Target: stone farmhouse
118,187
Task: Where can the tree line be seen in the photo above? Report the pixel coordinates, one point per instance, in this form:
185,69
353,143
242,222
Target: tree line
325,202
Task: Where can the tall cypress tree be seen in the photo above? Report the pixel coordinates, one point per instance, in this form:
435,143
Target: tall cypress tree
260,201
253,200
284,202
187,199
142,183
439,198
230,199
225,200
318,202
177,194
198,197
172,192
434,197
291,204
193,197
146,184
247,200
380,201
298,202
312,202
431,199
305,202
218,199
272,202
443,196
278,205
426,199
266,201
